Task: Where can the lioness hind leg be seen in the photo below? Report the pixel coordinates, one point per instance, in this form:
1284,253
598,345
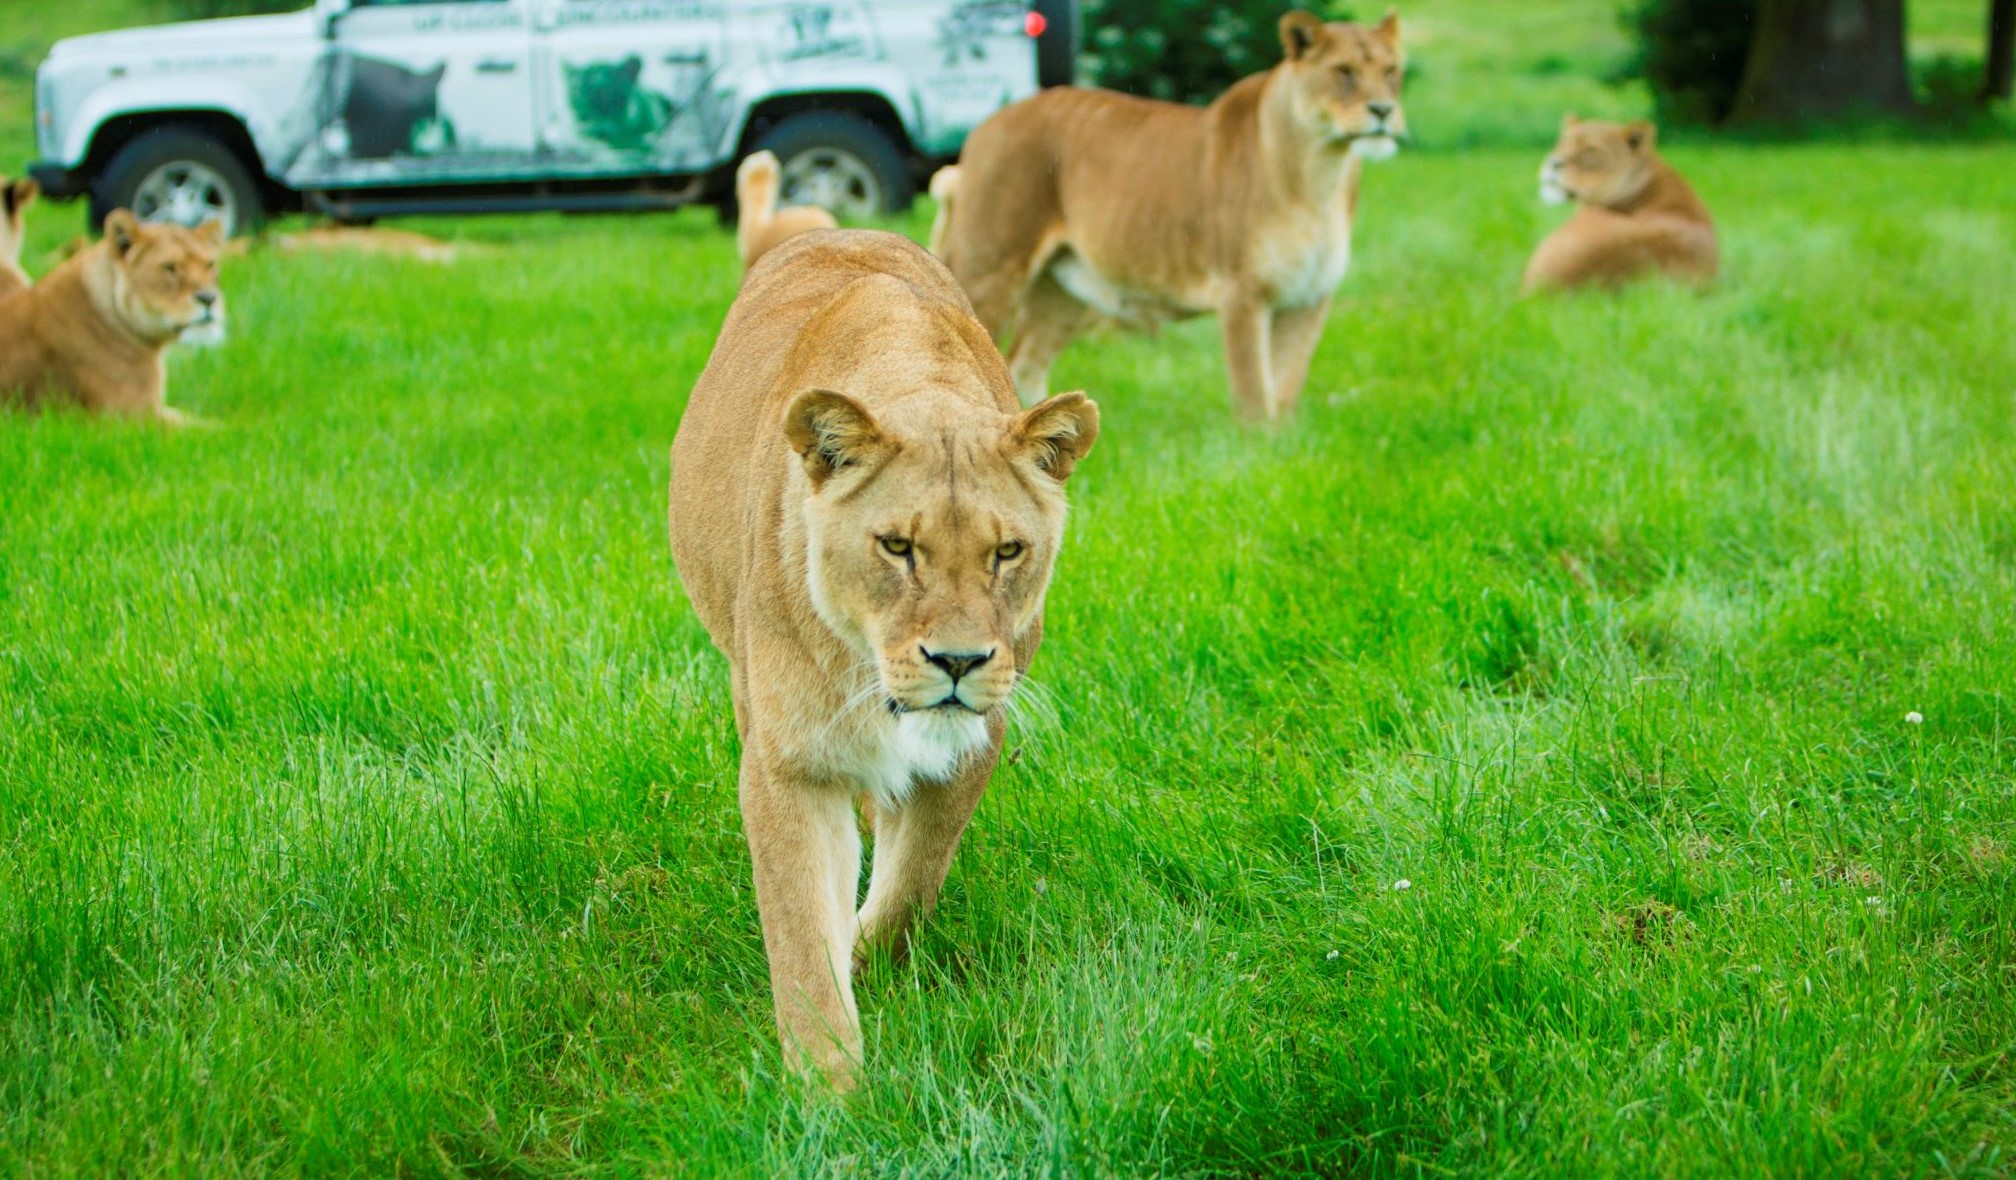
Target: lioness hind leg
1050,319
807,856
914,846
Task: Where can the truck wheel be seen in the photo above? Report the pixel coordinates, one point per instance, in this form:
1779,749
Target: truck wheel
178,174
840,161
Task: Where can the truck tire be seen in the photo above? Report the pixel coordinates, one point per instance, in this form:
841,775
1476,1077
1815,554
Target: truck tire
840,161
182,174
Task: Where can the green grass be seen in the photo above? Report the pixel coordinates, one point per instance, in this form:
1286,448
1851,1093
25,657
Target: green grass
365,787
366,797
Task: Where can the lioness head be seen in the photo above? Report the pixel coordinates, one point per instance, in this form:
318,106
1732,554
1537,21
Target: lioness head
1596,163
164,277
930,533
1344,81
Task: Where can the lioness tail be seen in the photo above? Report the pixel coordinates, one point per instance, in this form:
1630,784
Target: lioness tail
756,198
944,183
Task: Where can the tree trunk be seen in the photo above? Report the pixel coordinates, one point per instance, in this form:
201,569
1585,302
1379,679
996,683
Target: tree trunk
2001,50
1817,59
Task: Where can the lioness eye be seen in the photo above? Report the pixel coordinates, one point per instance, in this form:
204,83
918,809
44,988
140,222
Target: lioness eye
896,546
171,268
1008,552
1347,73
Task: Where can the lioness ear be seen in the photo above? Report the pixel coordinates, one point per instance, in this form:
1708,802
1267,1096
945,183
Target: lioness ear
1388,30
1569,120
830,431
1301,33
121,228
20,194
1058,432
1640,135
211,231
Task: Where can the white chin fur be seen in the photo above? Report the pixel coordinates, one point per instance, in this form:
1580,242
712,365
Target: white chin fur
205,335
1552,193
927,745
1375,147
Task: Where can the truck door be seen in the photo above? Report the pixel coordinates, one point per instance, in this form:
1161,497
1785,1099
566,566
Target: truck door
972,57
629,87
422,92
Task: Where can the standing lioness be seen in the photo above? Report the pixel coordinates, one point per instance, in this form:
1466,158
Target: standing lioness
865,524
1078,203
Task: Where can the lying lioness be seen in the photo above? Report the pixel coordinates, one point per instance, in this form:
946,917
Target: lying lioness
1076,203
15,197
760,224
1637,216
866,525
359,239
92,332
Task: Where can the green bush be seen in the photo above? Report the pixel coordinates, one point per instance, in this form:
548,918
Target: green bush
204,9
1691,53
1184,50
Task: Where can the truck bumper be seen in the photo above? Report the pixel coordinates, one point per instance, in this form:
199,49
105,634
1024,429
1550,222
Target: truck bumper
57,181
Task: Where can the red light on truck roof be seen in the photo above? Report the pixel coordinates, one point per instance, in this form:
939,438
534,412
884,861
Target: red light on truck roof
1034,24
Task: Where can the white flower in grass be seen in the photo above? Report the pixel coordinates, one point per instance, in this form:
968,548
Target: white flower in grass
1332,956
1402,885
1914,717
1042,886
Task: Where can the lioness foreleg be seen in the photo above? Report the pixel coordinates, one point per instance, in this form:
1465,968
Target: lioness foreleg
807,856
1295,334
1050,318
1247,323
914,846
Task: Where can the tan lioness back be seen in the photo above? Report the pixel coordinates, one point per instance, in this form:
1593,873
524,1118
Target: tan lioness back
92,332
1635,215
1077,205
866,523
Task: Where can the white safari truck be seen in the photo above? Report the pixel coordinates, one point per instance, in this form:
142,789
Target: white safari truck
365,108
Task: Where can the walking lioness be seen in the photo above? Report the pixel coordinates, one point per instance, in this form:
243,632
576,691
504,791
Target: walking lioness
1080,203
1636,215
865,522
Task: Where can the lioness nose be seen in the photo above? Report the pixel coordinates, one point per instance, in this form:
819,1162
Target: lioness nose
207,298
1380,110
956,663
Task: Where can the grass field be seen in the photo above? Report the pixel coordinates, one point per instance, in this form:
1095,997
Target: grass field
366,799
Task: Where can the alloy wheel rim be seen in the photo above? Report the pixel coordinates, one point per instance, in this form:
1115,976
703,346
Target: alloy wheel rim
838,181
186,193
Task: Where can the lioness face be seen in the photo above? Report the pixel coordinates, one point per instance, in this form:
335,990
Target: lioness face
166,276
1344,81
930,535
1606,164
